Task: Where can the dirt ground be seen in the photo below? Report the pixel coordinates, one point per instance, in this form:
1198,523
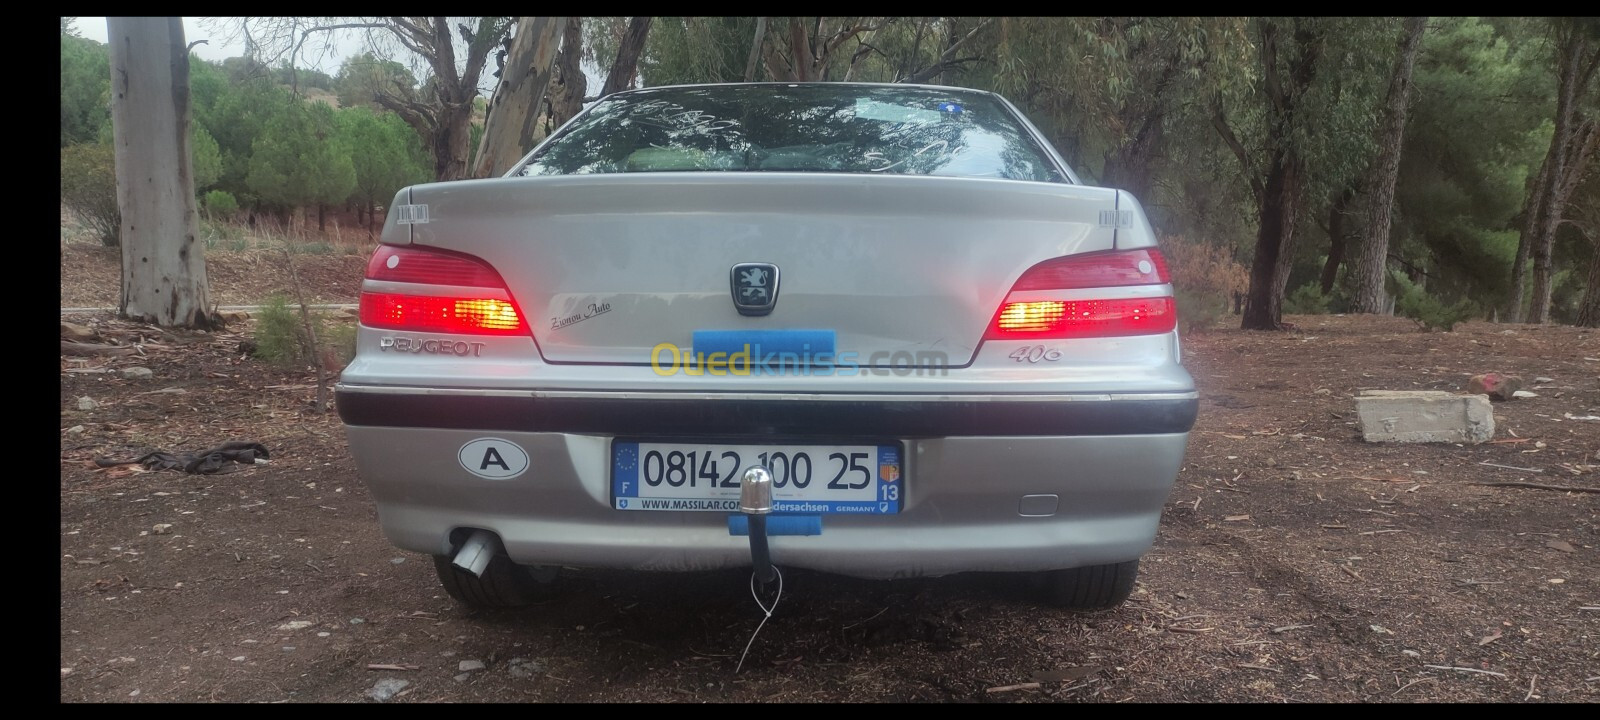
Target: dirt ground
1295,563
91,275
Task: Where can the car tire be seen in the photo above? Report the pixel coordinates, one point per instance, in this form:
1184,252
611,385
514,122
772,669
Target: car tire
1096,587
504,584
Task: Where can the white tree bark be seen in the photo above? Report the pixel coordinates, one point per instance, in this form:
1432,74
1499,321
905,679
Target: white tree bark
515,108
163,263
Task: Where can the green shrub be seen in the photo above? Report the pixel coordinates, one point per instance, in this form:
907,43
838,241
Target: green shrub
220,204
89,189
1413,301
1306,300
281,335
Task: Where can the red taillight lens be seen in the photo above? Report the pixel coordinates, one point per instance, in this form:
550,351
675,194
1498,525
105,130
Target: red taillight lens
1032,317
1114,268
426,309
427,313
1060,319
434,267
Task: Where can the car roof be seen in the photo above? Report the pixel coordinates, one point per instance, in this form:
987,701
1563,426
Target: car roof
916,86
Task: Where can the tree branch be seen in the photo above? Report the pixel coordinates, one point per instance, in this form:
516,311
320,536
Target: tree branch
935,69
417,115
488,35
418,34
946,58
1409,266
848,32
1269,64
755,49
412,37
1219,120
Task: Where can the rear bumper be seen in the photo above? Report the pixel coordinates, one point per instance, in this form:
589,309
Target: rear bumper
793,415
1093,497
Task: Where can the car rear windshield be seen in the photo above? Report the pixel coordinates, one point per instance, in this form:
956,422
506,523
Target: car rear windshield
798,128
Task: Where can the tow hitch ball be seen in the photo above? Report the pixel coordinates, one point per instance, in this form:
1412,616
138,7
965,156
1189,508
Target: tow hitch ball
755,501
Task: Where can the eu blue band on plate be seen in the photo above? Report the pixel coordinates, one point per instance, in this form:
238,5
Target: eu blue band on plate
766,342
739,525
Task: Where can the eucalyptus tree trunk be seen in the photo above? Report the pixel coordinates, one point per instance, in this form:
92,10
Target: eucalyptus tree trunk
753,63
1269,271
626,64
442,112
163,263
566,100
519,100
1371,258
1279,197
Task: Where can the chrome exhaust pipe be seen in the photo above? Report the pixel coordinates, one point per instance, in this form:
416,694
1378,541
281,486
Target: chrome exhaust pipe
477,551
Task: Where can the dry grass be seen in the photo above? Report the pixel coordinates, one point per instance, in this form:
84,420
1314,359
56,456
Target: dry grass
245,265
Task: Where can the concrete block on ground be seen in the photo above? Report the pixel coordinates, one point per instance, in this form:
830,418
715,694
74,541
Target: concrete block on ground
1424,416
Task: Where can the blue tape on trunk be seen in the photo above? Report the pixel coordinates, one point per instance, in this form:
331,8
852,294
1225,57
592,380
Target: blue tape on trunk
739,525
764,342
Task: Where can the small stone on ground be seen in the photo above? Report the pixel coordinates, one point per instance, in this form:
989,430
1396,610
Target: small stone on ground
387,688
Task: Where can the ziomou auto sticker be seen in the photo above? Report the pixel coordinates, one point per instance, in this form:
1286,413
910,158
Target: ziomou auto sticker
493,458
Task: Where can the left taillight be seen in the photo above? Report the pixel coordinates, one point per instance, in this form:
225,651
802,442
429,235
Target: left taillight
431,290
1057,298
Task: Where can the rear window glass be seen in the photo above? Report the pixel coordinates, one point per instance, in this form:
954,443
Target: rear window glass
802,128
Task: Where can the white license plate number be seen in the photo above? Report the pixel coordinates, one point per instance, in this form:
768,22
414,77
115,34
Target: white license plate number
807,479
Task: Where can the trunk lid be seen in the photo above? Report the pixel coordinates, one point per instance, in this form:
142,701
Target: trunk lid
608,267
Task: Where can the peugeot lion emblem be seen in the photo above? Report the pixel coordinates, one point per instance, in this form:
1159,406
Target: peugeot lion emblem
755,288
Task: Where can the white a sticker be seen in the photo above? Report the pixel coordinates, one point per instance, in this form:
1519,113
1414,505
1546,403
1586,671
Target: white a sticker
493,458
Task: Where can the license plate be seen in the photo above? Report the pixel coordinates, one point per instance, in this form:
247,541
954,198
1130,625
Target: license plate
855,479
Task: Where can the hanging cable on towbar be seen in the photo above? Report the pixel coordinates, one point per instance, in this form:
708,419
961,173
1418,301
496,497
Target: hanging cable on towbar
755,501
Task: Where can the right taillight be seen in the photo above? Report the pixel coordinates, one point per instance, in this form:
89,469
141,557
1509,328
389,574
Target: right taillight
430,290
1030,313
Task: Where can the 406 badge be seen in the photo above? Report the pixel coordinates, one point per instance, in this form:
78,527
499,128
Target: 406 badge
1035,353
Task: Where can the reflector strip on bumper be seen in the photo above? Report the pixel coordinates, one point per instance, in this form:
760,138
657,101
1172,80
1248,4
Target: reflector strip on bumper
701,416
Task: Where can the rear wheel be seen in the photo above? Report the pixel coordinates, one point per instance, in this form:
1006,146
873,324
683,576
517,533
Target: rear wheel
1097,587
504,583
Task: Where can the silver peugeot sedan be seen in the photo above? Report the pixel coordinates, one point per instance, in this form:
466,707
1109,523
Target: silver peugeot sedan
876,330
